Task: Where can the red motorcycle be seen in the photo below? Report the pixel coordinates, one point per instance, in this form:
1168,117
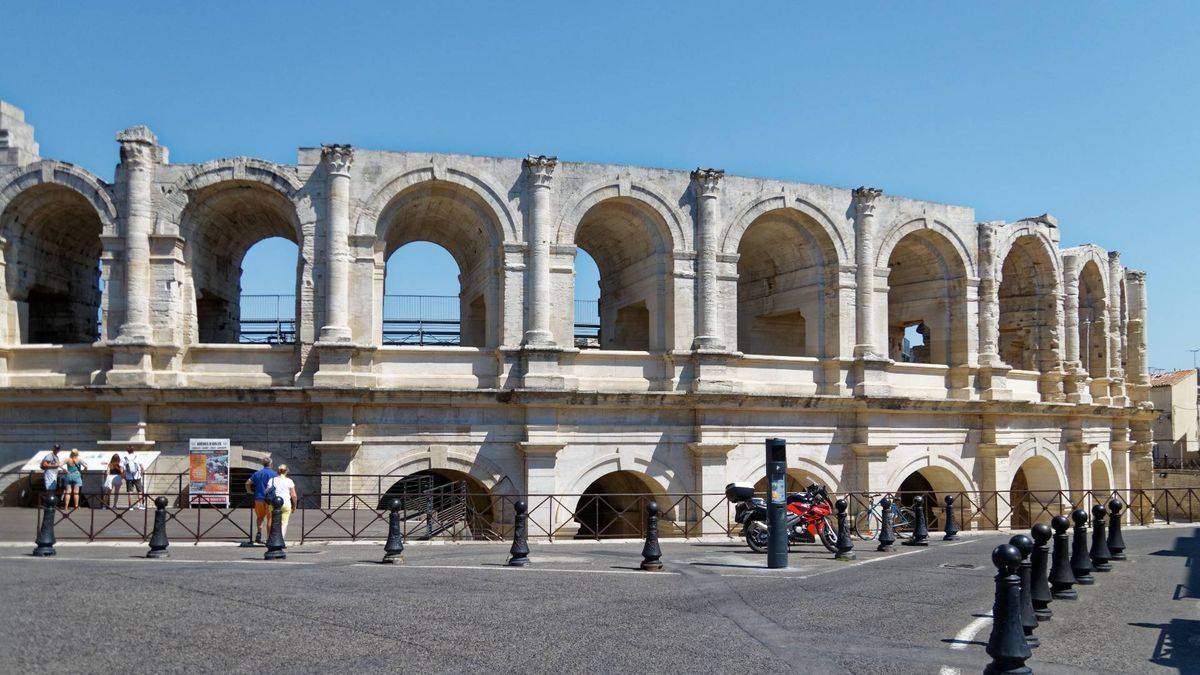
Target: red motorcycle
806,519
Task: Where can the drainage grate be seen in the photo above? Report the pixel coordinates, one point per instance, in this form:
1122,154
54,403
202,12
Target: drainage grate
961,566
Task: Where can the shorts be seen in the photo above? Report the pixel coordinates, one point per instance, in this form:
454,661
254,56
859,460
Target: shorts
51,483
73,479
261,510
112,483
133,485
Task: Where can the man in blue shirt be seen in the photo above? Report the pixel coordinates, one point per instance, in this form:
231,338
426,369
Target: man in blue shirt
257,484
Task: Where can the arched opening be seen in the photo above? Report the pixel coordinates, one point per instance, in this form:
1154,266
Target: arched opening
932,484
783,274
926,298
1093,321
1027,306
221,223
1101,485
460,222
444,502
420,301
797,480
268,300
587,301
627,240
1035,493
52,274
614,506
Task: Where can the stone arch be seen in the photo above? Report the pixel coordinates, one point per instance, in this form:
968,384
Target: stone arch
762,204
663,475
1023,230
240,170
812,467
370,210
54,218
672,235
1101,478
1036,482
631,243
1093,318
1038,447
946,474
613,505
787,262
927,289
475,465
1028,283
892,237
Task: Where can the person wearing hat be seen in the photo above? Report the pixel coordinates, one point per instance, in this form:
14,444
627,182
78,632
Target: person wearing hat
51,465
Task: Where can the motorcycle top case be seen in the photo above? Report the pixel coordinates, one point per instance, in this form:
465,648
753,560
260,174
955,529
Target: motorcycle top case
739,492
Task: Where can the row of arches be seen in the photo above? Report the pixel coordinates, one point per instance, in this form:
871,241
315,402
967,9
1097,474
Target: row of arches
789,258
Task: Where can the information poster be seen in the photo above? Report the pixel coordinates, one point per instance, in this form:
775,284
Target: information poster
208,471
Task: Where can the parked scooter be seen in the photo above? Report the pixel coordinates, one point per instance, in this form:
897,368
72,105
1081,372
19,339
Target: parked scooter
806,519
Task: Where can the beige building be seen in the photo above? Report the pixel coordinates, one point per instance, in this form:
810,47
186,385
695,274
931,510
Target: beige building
731,309
1174,396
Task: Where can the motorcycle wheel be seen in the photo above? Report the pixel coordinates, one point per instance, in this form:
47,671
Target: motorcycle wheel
829,538
756,536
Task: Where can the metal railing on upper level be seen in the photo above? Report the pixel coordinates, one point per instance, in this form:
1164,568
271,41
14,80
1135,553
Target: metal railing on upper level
407,320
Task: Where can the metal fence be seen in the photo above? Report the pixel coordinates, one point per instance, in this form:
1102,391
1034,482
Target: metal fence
1176,464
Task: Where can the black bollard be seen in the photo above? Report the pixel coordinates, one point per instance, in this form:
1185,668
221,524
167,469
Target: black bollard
393,548
1028,619
1099,552
45,540
887,535
1116,543
845,547
920,535
158,538
1039,571
1081,564
951,524
1061,576
518,555
651,553
275,543
1006,644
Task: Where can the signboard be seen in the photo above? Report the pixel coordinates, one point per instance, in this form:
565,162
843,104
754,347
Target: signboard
208,471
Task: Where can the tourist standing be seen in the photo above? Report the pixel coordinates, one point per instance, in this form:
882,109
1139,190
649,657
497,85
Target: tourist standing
112,482
73,481
51,466
134,475
257,483
283,486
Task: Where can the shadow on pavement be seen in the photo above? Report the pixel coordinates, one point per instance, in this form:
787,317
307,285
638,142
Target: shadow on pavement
1178,644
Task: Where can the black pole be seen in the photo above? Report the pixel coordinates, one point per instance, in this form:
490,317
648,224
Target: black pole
951,524
1028,619
1061,576
158,538
1116,543
1040,562
651,553
393,548
1006,644
1099,552
920,535
275,543
845,547
887,536
777,536
45,540
1081,564
518,555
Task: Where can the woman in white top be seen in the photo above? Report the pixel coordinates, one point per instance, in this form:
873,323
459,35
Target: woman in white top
283,486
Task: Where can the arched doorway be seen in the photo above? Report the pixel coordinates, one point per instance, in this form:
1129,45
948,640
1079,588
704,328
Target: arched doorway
785,265
52,266
797,481
1093,321
267,312
614,506
1027,324
444,502
421,301
932,484
926,300
1101,485
1035,495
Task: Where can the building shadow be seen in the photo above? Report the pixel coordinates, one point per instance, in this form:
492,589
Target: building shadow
1178,644
1187,547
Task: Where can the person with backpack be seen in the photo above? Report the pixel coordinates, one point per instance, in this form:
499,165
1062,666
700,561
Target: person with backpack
283,486
257,483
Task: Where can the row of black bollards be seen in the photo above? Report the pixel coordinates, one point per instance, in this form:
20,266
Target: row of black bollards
887,531
1025,586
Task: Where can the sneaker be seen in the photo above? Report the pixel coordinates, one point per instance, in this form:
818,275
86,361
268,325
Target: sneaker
258,537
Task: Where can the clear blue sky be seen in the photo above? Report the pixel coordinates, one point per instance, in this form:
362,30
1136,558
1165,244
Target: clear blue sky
1086,110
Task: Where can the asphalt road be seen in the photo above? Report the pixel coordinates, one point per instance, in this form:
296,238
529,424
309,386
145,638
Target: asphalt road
582,607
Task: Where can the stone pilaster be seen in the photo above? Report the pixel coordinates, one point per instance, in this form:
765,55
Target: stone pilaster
1141,468
870,467
338,447
541,460
136,174
337,160
1116,338
868,345
707,186
995,476
1138,368
711,464
539,172
1074,379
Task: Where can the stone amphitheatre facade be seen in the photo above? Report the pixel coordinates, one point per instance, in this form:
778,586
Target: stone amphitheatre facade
732,309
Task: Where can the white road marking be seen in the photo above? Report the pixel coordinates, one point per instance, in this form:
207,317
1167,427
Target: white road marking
846,566
155,560
529,568
964,637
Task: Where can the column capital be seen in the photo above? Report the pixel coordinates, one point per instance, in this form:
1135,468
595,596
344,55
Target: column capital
338,157
1114,256
540,169
1136,276
707,181
137,145
864,200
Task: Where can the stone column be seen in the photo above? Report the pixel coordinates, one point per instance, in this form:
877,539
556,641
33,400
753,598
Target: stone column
869,344
1139,374
707,185
539,170
711,463
989,297
1074,382
541,482
337,159
995,476
137,170
1116,341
